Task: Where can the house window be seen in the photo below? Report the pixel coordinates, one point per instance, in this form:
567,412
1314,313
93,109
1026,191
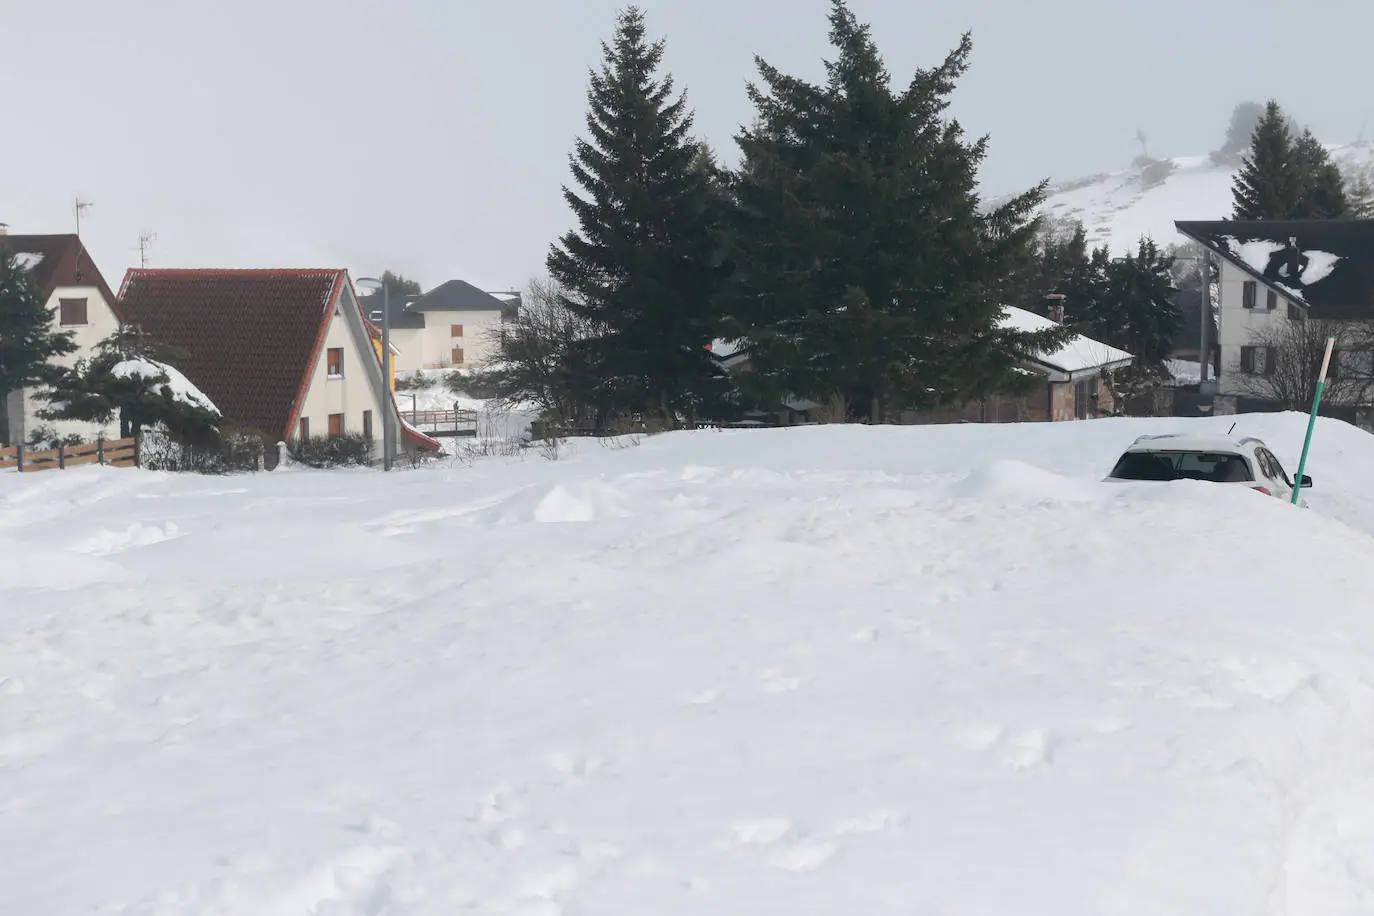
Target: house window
305,428
1295,312
457,356
1257,360
336,425
455,330
367,424
71,311
1271,300
1248,294
334,360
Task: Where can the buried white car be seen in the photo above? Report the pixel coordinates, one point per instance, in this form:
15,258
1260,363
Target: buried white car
1216,459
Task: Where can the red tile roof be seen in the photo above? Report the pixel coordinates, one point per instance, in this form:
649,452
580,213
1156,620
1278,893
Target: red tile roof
251,336
63,261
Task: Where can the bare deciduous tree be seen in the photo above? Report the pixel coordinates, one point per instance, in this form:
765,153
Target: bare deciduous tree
1286,359
542,359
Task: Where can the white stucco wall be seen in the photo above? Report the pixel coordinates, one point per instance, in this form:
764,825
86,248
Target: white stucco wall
1237,325
437,340
359,389
100,323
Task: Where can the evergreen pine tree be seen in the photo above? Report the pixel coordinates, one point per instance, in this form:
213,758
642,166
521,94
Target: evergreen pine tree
1322,194
28,343
641,265
1134,305
864,268
127,378
1361,197
1268,184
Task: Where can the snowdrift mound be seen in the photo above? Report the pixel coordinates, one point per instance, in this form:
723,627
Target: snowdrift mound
823,670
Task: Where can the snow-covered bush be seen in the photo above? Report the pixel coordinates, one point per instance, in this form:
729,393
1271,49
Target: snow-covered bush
331,452
232,452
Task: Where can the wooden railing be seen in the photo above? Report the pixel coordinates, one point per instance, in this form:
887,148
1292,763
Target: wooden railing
119,453
443,422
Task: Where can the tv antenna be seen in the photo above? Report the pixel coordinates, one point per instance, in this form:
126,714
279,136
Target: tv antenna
79,207
145,241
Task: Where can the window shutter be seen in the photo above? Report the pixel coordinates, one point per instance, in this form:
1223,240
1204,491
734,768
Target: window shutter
1270,363
1271,300
1247,359
1248,297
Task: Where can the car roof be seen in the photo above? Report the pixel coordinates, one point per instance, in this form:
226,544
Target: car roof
1188,442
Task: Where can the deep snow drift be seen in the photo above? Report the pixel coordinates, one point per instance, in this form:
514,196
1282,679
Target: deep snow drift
829,670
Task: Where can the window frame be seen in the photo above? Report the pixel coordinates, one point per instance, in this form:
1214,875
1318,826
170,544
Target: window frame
330,365
64,304
367,424
336,426
1250,363
1249,294
1271,300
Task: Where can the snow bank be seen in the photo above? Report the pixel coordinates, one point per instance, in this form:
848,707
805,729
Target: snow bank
179,385
819,670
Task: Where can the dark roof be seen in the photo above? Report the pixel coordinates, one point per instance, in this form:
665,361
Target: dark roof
401,316
457,296
1327,264
64,262
251,335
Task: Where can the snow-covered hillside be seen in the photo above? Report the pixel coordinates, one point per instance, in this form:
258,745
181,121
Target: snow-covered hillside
1119,207
821,670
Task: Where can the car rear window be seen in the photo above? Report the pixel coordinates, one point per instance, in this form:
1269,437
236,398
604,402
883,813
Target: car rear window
1217,467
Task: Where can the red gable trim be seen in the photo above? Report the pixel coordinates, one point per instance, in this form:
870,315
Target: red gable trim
314,361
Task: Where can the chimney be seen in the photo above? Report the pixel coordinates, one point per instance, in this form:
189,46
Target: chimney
1054,307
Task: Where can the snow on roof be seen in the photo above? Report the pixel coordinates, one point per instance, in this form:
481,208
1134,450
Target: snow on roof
181,388
1079,354
28,260
1259,255
724,348
1188,442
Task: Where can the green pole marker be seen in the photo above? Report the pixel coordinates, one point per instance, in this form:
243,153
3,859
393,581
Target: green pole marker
1312,419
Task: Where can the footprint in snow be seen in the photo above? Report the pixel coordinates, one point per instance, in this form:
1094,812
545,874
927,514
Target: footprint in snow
774,681
803,857
1031,749
763,831
978,736
872,822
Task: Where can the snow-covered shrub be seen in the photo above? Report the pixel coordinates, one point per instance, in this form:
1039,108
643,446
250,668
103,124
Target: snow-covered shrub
233,451
352,449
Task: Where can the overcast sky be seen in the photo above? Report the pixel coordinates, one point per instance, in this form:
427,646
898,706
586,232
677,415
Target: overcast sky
431,136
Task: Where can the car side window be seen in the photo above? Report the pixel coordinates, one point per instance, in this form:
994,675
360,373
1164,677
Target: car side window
1276,470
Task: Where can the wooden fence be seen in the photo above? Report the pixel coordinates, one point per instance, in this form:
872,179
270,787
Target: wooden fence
119,453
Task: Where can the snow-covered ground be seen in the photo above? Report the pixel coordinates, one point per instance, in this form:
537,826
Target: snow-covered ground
1117,208
837,670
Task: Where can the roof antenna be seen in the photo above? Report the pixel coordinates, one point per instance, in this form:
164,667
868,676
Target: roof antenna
1231,430
80,206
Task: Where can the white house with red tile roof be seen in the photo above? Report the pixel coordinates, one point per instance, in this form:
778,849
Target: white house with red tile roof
71,286
283,353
